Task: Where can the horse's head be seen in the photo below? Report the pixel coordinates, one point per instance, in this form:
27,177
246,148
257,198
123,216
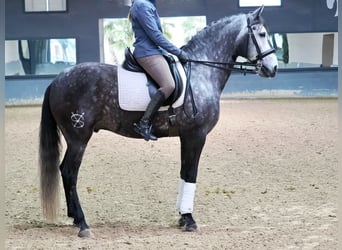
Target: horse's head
259,48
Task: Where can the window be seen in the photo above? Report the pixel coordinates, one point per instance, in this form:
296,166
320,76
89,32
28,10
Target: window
45,5
254,3
39,57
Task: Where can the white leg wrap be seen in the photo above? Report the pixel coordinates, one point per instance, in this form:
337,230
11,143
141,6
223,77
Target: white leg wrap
180,193
187,198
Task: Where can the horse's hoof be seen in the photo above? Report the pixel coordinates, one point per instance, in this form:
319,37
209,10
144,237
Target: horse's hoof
187,223
86,233
191,228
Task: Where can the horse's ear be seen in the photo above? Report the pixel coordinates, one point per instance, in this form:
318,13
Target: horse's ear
257,13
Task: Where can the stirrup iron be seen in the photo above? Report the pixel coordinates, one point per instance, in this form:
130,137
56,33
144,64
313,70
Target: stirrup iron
145,131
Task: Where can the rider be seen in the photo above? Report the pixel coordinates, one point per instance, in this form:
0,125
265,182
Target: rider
149,47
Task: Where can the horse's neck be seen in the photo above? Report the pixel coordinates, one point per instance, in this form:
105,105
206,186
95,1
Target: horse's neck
218,43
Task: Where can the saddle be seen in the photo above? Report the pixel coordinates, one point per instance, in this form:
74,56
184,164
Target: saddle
131,64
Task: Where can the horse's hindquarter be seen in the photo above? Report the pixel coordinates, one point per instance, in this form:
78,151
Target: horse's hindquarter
84,98
87,91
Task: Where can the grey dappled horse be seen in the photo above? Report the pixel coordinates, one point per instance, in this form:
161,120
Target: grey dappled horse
84,99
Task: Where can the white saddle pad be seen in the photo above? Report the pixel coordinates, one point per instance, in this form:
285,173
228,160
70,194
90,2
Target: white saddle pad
133,90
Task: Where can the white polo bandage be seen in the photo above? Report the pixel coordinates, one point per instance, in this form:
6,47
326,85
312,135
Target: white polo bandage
186,196
180,193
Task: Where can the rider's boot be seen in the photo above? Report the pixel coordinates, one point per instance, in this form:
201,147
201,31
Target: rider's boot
143,127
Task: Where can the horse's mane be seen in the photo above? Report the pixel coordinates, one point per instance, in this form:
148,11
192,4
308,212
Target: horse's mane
223,22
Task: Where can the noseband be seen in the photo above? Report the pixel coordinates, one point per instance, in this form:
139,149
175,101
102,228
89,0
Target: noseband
251,34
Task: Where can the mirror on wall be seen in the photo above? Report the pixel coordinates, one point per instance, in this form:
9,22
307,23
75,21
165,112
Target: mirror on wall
306,50
39,56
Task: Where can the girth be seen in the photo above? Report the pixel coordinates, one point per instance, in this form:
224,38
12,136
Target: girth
131,64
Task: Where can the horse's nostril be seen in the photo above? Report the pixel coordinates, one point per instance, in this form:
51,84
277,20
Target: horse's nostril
275,68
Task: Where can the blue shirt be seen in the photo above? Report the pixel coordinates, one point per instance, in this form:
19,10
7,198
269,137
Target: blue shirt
149,37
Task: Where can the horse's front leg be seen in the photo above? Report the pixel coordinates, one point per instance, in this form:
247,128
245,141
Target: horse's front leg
191,149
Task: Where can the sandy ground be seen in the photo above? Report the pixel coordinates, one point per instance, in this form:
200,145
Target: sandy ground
267,180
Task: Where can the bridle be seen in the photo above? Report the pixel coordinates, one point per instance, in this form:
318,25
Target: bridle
251,34
241,66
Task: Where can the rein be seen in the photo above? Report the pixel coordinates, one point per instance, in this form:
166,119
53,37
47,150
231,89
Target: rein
252,63
217,65
233,66
221,65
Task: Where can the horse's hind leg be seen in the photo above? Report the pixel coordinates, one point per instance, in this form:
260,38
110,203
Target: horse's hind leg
191,148
69,170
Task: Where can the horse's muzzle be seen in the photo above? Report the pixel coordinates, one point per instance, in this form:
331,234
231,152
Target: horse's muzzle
265,71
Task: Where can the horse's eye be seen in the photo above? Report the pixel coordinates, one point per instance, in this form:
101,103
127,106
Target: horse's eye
262,34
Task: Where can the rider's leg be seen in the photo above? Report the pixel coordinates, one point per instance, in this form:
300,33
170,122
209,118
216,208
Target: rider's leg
157,67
